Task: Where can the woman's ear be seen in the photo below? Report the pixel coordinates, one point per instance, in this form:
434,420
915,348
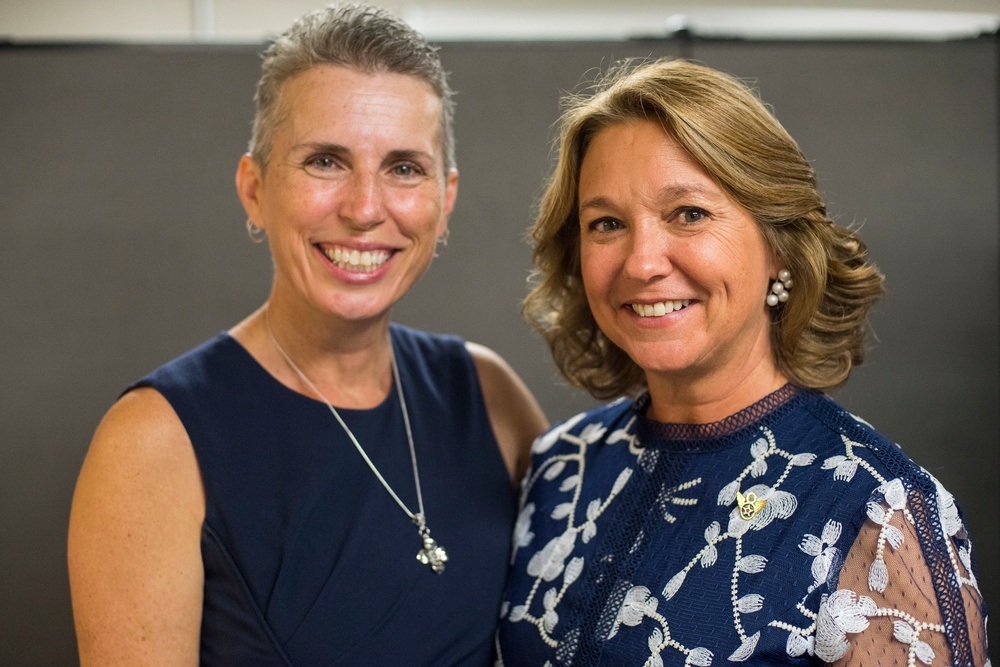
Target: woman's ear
249,178
450,194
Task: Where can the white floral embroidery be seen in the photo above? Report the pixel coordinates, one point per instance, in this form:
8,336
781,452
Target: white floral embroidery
522,529
823,551
637,604
545,443
821,630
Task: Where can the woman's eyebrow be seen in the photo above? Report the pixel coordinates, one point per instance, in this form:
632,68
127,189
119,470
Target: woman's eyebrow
596,202
322,147
410,154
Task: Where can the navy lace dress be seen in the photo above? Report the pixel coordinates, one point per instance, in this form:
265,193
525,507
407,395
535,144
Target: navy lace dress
641,543
308,560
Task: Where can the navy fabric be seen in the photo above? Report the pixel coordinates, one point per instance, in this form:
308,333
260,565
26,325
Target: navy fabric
631,550
308,560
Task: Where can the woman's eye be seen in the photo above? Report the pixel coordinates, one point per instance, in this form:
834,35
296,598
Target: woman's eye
604,225
692,215
320,164
406,170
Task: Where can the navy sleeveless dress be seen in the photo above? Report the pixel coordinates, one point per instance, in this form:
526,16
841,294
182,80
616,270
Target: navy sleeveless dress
308,560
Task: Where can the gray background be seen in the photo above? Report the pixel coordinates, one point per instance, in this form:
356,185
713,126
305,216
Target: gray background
122,245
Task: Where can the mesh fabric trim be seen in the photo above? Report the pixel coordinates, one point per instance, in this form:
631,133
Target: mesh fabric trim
715,435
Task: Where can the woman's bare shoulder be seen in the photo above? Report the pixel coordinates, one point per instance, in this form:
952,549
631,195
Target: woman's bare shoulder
134,538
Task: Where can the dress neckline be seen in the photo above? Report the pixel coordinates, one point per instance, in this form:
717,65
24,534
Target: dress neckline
716,435
265,376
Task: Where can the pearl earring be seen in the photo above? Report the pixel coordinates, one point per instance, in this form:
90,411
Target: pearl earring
779,288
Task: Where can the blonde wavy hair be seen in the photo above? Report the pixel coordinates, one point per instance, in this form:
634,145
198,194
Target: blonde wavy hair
817,336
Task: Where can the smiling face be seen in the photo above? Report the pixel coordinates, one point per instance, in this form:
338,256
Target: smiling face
355,192
675,272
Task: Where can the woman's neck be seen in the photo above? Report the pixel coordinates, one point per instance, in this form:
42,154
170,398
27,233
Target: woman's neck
348,362
713,397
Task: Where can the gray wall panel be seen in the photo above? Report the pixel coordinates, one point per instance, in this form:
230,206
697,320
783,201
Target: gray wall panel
904,138
122,244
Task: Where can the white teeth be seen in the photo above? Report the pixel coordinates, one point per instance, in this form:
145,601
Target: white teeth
660,308
356,260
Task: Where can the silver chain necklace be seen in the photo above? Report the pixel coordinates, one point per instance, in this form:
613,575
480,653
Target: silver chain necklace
431,554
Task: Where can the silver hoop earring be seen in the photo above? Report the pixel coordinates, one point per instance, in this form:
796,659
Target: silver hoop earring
779,289
442,241
256,234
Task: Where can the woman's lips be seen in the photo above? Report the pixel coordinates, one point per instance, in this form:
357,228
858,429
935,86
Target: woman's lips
352,259
659,308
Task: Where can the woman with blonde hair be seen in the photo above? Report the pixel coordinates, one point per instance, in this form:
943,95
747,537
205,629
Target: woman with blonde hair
725,509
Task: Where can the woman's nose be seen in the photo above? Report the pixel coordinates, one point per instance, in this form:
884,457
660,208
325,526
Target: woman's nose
648,253
364,204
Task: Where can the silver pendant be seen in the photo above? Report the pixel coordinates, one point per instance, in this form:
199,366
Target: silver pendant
432,554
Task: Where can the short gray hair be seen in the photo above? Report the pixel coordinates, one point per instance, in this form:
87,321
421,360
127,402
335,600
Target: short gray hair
365,38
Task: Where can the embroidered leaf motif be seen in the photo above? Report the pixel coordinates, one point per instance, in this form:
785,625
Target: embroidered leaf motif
620,482
924,652
589,531
895,494
573,570
746,648
548,563
701,657
748,604
504,608
903,631
593,509
878,576
803,459
951,521
549,601
637,603
544,443
709,556
758,468
796,645
522,529
674,585
562,510
712,531
569,483
752,564
517,613
655,639
811,545
592,433
728,493
554,470
654,660
965,555
893,535
549,620
845,471
779,505
848,614
618,436
831,532
759,448
875,512
833,462
821,564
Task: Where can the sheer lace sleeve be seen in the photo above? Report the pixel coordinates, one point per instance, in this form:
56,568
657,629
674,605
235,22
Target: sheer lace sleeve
906,593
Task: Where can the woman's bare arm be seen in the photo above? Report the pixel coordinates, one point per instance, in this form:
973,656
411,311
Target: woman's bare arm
135,565
514,413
